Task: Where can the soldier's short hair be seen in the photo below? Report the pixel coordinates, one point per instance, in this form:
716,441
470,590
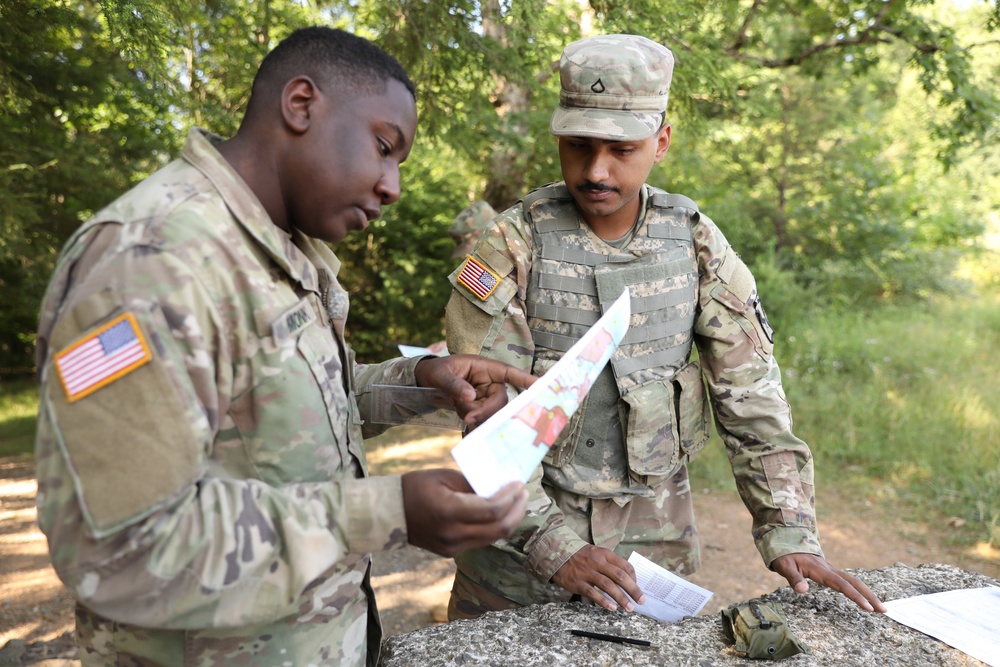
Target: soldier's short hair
331,57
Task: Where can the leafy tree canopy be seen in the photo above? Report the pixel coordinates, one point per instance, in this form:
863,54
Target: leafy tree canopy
846,148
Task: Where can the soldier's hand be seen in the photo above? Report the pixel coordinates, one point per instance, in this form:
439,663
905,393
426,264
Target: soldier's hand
796,568
477,386
593,571
443,514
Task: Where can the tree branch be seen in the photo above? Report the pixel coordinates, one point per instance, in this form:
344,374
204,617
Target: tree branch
875,33
741,36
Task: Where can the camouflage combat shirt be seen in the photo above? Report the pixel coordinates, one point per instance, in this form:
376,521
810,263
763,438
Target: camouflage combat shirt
201,477
652,515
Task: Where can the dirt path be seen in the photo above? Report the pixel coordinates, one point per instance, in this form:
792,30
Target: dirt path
412,585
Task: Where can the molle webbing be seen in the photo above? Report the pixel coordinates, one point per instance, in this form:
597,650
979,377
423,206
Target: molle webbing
553,341
639,334
576,256
661,231
669,358
664,328
551,191
659,325
657,302
575,276
563,314
612,281
670,200
570,284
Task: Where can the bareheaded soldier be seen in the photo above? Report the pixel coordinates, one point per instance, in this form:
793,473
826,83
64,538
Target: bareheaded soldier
201,475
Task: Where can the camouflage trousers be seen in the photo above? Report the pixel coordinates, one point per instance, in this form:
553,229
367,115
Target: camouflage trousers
660,527
350,636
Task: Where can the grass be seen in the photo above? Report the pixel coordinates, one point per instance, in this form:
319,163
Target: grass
18,410
900,406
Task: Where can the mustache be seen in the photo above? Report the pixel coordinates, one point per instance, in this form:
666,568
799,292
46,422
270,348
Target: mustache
590,186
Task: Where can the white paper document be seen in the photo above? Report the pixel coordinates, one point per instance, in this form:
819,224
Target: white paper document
512,443
668,597
967,619
414,351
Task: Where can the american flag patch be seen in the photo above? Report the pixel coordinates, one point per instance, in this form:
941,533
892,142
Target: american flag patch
111,352
478,278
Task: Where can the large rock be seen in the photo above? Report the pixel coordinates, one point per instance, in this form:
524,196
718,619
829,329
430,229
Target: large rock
836,631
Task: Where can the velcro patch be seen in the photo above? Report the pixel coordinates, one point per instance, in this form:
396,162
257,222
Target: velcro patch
101,357
758,308
478,278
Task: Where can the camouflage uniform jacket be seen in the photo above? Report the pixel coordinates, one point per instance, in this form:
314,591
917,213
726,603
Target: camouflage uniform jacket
717,307
207,500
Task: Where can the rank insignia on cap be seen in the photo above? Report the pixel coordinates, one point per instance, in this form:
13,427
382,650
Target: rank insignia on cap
479,279
103,356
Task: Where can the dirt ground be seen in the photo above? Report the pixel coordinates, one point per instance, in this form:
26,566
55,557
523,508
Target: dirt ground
412,586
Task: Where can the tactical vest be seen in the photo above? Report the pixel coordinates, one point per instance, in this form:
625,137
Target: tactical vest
575,276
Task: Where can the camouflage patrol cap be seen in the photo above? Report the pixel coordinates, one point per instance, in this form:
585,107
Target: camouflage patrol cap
613,87
468,225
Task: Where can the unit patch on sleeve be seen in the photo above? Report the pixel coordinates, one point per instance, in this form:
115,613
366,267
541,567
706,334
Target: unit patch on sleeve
104,355
478,278
758,308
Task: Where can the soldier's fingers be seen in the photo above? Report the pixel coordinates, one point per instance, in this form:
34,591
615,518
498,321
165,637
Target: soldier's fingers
625,580
795,566
598,596
609,594
788,567
508,489
475,412
510,503
443,516
459,534
518,378
849,586
447,374
504,509
490,371
480,371
868,593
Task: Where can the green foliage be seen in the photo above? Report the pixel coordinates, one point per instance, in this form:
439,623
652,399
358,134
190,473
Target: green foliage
485,74
77,125
18,408
815,133
204,55
905,396
898,405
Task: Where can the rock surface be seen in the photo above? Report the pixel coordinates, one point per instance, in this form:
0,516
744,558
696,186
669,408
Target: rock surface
836,631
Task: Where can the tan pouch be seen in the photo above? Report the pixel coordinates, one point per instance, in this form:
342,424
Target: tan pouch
651,436
693,411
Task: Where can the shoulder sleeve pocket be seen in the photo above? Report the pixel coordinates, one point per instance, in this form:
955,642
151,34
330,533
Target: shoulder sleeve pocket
736,292
132,444
478,281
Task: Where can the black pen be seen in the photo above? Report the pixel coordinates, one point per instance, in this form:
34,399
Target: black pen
610,638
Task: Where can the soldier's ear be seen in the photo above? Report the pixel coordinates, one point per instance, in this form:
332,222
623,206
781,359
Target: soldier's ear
662,141
298,99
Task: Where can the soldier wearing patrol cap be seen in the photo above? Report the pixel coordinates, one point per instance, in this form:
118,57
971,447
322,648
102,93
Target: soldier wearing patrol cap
201,473
616,480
